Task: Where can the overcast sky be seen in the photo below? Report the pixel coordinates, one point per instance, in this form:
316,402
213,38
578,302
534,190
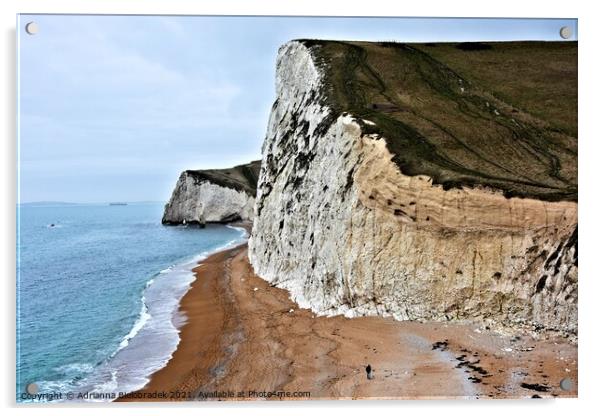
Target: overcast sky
113,108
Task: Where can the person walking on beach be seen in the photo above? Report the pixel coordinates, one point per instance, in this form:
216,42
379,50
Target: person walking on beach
369,372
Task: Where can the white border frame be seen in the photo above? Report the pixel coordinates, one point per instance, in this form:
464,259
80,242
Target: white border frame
589,149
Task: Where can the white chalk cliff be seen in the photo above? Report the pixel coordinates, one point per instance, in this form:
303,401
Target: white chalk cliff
341,227
213,196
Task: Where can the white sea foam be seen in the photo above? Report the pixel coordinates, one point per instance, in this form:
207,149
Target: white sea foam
244,235
151,341
139,324
154,337
75,368
109,385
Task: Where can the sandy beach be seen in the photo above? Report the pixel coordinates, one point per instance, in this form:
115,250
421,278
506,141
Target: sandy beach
246,340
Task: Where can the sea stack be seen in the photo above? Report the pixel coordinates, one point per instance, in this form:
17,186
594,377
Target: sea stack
423,182
213,196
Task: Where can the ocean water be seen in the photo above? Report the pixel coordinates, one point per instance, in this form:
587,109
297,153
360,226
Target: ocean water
98,293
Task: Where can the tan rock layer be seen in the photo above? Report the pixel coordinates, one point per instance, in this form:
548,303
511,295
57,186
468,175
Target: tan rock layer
415,200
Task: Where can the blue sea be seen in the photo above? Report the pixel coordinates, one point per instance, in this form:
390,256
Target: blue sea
98,289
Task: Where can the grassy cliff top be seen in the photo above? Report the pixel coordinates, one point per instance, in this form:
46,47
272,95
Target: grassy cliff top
501,114
242,177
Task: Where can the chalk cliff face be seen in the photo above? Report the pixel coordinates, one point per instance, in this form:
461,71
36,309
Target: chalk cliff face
341,224
218,195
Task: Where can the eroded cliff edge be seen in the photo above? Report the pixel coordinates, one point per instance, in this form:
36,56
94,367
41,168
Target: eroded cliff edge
213,195
392,184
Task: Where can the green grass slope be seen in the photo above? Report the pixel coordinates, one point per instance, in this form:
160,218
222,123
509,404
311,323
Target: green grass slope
242,177
501,115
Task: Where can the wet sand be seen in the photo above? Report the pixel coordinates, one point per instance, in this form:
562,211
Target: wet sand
246,340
